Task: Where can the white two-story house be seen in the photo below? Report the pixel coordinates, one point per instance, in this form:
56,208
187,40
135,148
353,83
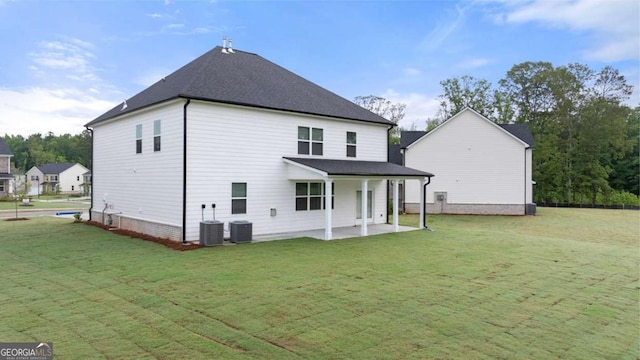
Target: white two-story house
482,167
5,169
260,142
56,178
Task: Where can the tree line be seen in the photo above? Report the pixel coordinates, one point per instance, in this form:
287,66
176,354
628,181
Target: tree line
586,136
38,149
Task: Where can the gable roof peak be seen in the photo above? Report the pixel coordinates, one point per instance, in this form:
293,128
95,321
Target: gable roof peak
246,79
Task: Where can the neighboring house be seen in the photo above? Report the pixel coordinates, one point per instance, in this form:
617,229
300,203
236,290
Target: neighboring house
261,143
86,183
5,169
482,167
63,178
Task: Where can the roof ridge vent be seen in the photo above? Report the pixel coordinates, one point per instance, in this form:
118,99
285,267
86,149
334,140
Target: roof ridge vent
224,45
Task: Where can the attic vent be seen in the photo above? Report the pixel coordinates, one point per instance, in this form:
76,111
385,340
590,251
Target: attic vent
124,105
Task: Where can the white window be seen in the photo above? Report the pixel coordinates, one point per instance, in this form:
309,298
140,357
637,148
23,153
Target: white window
139,139
156,135
351,144
311,196
238,198
310,141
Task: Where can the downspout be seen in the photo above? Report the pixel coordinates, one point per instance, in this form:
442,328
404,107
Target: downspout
525,181
184,172
92,174
424,200
386,205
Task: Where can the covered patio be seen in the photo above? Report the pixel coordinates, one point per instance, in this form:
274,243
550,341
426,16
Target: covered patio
330,170
337,233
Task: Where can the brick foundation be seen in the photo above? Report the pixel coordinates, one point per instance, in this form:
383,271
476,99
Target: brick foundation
148,227
471,209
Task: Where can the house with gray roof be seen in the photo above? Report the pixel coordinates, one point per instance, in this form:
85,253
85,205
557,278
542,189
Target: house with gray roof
5,168
482,167
234,136
56,178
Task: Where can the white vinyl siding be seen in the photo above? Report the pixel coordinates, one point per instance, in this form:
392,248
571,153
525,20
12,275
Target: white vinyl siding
474,162
146,185
227,143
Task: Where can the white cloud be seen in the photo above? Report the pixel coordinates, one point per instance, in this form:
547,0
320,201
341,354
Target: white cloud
174,26
473,63
40,110
613,24
444,30
412,72
73,56
420,107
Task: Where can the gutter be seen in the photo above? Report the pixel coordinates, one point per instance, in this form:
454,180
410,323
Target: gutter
424,200
184,172
92,174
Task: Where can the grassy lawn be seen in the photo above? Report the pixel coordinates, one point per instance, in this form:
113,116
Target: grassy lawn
561,285
41,205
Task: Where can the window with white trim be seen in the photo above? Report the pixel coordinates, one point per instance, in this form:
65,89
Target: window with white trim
156,135
311,196
351,144
1,187
238,198
310,141
139,139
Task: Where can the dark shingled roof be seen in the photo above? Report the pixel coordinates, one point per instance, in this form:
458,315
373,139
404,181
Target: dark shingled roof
245,79
4,148
359,167
521,131
409,137
395,156
54,168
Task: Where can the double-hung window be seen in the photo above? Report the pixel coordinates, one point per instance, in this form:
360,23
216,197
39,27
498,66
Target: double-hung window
311,196
156,135
351,144
310,141
139,139
238,198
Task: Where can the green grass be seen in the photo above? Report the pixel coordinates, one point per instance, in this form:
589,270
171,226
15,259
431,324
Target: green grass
40,205
561,285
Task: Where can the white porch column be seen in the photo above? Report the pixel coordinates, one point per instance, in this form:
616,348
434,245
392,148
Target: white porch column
327,209
365,191
422,182
396,228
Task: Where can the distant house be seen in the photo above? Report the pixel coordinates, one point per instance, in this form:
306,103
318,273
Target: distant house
53,178
482,167
5,169
260,142
86,183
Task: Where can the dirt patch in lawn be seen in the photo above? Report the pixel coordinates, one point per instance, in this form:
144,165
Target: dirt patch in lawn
175,245
16,219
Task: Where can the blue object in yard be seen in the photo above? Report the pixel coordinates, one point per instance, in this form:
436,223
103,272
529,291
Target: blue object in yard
68,213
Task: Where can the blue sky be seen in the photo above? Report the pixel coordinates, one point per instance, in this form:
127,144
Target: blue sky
64,63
